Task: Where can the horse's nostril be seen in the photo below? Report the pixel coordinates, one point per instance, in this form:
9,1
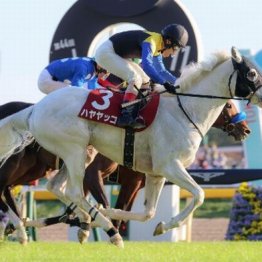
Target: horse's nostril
248,131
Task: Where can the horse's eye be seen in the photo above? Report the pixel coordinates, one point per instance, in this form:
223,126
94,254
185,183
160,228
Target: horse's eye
252,75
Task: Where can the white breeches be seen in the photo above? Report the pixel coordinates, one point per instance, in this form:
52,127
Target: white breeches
47,85
125,69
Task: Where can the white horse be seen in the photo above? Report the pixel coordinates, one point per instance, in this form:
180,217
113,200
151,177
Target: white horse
163,150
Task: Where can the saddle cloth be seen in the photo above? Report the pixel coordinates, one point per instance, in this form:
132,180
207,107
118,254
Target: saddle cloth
103,105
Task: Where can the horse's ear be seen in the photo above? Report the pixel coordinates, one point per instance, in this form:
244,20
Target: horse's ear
236,55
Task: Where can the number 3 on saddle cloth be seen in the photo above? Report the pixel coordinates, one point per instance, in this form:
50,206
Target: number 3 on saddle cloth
103,105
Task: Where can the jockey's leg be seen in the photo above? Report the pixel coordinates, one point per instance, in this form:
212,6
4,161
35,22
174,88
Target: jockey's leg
126,70
129,115
145,78
47,84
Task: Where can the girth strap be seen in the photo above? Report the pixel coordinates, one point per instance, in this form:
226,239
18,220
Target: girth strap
129,147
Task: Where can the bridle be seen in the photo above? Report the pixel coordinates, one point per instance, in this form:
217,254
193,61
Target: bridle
246,86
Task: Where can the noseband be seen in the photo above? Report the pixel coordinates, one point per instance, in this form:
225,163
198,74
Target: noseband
229,126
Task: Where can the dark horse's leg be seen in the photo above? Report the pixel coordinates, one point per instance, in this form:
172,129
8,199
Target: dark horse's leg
100,168
7,172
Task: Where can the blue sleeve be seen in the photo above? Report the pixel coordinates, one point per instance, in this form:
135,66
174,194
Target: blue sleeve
78,80
92,84
82,75
148,65
160,67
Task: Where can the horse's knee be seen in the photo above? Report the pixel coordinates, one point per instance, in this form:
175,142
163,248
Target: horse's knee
200,196
148,215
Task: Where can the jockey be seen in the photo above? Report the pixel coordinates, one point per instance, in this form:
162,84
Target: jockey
75,71
114,55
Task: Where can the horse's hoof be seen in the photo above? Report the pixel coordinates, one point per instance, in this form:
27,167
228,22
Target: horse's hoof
117,240
160,229
23,241
83,235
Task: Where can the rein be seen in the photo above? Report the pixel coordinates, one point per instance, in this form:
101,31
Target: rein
192,95
207,96
185,94
188,117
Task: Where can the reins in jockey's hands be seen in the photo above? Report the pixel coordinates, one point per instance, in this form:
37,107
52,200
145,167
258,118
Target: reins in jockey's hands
170,88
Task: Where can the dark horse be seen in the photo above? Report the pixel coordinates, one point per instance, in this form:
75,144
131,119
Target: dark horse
33,162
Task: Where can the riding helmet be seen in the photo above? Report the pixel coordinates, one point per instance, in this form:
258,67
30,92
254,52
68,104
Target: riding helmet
176,33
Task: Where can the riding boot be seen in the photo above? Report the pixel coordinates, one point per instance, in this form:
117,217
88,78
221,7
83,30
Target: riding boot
130,117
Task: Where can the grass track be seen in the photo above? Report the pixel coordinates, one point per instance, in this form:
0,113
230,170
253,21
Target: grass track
133,251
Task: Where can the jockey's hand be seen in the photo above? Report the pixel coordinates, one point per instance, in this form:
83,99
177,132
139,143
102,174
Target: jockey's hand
170,88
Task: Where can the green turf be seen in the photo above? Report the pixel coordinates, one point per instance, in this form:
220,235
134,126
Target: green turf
133,251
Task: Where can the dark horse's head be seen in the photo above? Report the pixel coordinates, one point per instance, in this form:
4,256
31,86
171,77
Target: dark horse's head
233,122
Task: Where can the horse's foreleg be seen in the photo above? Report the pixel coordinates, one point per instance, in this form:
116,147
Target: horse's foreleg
153,188
185,181
93,183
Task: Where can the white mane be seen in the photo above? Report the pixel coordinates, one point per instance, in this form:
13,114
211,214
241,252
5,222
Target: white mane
194,72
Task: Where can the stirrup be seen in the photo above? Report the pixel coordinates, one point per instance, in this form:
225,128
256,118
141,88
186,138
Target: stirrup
139,123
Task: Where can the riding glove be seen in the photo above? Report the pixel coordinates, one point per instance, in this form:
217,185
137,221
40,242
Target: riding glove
170,88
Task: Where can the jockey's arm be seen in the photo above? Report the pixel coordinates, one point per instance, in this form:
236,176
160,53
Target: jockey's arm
78,80
160,67
148,65
82,75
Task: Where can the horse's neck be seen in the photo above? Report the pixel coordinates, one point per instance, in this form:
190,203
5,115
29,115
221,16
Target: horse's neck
204,111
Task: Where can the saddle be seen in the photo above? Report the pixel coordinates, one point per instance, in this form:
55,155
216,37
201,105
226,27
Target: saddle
104,105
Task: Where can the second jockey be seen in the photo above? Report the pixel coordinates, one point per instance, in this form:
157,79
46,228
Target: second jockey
73,71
